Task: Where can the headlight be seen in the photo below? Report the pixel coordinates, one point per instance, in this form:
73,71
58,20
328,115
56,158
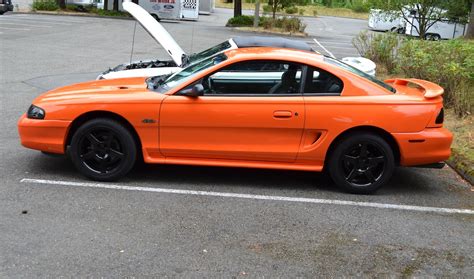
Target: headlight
35,112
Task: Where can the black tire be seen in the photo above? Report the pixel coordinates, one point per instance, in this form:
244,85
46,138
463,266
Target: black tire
361,172
103,149
155,17
432,37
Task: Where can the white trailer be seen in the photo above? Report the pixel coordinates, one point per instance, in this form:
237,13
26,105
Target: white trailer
386,21
442,29
171,9
162,9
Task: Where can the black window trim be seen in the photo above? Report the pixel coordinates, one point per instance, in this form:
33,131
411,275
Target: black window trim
300,93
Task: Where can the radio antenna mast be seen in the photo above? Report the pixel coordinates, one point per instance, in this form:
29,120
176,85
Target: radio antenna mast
133,40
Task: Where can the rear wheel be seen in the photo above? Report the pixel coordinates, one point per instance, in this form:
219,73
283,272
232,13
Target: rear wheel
361,163
103,149
432,37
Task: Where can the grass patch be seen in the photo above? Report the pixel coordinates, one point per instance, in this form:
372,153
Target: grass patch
307,10
45,5
462,157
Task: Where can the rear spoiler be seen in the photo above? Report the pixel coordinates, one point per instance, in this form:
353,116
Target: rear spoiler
432,90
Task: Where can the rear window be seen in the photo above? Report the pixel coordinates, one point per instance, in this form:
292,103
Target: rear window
359,73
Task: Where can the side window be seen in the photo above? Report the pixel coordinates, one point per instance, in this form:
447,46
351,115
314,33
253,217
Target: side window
255,78
322,82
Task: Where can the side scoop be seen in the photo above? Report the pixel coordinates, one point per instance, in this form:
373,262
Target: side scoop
431,90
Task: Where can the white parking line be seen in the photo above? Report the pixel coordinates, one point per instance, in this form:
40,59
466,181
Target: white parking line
21,29
51,18
32,21
252,197
21,24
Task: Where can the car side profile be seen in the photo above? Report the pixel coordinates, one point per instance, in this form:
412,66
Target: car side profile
255,107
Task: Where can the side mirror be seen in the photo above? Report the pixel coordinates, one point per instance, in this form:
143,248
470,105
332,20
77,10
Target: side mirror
196,91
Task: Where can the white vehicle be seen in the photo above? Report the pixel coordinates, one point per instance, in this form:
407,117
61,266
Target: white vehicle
81,3
386,21
171,9
179,59
442,29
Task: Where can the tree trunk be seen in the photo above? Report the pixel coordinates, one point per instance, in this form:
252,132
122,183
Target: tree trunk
106,5
256,14
470,27
116,5
274,8
62,4
237,8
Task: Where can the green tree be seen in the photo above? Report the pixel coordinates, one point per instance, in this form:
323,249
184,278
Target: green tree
280,4
428,12
470,27
62,4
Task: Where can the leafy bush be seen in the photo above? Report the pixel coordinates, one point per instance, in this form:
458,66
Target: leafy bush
301,11
240,21
287,24
447,63
267,8
380,48
45,5
360,8
291,10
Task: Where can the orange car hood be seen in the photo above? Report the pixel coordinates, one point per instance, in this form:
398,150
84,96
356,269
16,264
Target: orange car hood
116,90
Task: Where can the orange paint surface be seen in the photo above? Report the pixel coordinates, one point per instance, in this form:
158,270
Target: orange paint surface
283,132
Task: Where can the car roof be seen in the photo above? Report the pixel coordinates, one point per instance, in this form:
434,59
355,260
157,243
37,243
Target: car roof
271,53
276,42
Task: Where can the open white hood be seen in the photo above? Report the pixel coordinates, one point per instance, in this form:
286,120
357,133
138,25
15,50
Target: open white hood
157,31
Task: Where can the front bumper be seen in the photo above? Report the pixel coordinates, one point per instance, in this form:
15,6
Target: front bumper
45,135
429,146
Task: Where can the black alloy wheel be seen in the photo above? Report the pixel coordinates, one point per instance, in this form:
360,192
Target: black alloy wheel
361,163
103,149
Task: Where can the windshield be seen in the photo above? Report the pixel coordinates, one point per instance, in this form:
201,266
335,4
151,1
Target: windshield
187,73
359,73
196,57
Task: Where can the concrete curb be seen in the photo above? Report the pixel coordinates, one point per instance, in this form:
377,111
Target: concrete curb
465,175
74,14
243,29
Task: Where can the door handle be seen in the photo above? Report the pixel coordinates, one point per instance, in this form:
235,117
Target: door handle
282,114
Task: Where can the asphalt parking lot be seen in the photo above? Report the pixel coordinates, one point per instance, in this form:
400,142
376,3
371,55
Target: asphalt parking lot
180,221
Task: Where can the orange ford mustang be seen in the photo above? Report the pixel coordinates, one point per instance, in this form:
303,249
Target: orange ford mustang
255,107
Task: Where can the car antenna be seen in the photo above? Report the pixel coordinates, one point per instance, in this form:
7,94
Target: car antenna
192,38
133,41
330,54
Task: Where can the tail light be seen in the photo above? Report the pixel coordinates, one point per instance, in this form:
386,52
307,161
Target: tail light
437,118
440,117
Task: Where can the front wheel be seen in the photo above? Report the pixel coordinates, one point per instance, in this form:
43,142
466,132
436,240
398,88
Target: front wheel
155,17
103,149
361,163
